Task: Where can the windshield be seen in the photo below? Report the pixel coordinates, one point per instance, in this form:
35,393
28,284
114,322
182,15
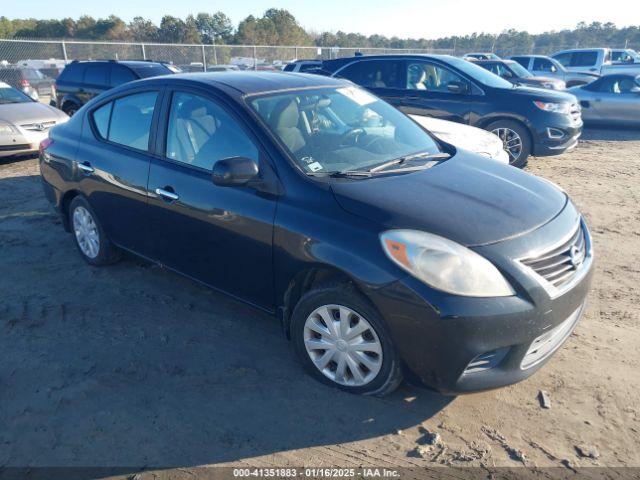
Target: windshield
479,74
11,95
341,129
520,71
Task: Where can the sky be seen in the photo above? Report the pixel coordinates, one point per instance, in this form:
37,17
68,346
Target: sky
402,18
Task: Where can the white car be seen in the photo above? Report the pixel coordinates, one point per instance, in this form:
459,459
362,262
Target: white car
24,123
466,137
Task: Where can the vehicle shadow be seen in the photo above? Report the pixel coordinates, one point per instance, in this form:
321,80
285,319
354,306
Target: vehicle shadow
609,133
133,366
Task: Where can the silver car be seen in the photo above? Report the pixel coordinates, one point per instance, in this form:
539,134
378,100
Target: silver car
24,123
612,100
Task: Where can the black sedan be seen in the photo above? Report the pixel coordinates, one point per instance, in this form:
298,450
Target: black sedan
530,121
515,73
382,251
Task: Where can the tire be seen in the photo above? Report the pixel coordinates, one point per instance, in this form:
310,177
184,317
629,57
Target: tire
89,236
385,373
504,129
70,109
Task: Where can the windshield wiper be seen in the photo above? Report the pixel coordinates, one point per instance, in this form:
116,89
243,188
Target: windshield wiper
342,174
407,158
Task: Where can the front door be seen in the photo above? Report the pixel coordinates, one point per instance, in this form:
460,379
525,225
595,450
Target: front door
221,236
435,91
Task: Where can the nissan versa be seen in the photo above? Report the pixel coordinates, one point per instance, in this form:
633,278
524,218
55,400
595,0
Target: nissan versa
384,252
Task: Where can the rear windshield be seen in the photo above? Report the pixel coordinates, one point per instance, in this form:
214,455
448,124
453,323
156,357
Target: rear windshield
150,70
74,72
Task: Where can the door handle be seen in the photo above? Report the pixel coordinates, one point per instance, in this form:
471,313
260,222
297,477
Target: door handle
166,194
86,167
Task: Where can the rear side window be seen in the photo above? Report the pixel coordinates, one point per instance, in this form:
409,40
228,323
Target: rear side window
101,119
96,74
74,72
307,67
374,73
152,70
127,120
289,67
120,75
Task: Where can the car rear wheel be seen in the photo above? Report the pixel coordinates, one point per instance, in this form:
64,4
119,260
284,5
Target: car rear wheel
89,236
342,341
515,140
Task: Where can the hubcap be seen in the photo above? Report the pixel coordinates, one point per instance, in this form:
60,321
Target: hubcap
343,345
511,142
86,232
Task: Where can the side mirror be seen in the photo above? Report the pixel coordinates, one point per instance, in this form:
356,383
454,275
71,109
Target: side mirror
457,87
234,172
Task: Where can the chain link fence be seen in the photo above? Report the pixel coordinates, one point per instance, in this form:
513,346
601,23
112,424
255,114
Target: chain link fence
13,51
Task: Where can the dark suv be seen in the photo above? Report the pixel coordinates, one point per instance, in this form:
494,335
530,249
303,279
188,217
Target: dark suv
79,82
30,81
529,121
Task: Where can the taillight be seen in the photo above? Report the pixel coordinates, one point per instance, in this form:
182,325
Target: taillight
44,144
24,83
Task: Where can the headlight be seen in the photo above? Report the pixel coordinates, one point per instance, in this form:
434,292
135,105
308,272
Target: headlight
6,129
553,107
444,265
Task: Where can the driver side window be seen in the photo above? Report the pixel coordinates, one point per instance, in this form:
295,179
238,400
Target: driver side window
430,77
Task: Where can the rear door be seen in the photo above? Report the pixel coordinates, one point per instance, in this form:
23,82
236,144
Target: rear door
221,236
96,81
112,164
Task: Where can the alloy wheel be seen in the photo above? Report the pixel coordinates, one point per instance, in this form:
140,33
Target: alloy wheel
343,345
86,232
511,142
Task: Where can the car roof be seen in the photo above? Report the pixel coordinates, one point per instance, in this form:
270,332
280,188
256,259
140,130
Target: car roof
254,82
130,63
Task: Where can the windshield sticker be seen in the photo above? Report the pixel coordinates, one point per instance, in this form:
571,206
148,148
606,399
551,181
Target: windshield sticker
314,167
361,97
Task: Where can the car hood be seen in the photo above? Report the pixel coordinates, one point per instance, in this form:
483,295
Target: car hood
533,93
462,136
468,199
29,112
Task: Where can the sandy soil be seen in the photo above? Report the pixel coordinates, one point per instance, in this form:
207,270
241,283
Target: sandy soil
134,366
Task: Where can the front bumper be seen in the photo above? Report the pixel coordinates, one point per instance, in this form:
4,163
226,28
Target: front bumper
556,138
462,344
23,143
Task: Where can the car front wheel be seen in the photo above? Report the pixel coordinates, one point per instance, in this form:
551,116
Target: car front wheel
89,236
515,140
342,341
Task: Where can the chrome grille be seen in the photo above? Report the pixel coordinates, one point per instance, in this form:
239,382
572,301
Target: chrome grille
38,126
547,343
559,265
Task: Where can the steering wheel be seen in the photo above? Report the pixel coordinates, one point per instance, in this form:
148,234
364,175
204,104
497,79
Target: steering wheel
352,136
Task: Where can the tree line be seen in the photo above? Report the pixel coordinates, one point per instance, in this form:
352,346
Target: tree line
280,27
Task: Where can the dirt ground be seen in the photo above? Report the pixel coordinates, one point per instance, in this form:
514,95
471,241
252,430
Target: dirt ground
134,366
